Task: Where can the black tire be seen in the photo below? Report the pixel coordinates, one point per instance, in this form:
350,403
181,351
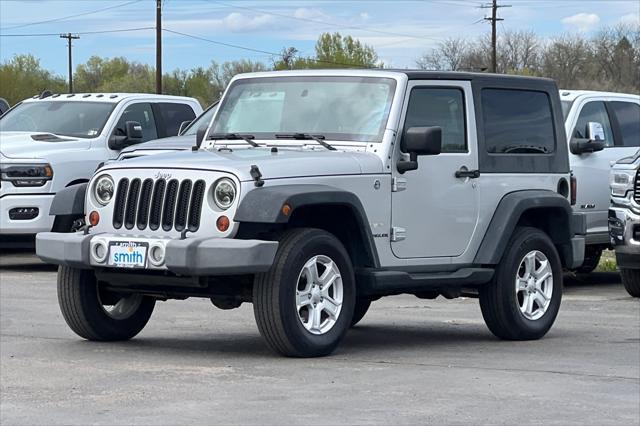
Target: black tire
274,295
360,309
592,257
631,281
80,302
498,299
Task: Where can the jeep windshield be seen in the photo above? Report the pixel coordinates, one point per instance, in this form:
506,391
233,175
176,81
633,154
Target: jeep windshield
72,118
339,108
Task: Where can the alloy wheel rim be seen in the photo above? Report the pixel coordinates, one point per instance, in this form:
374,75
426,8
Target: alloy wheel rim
534,285
319,294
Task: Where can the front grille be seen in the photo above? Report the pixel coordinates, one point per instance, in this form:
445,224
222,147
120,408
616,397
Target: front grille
636,190
172,205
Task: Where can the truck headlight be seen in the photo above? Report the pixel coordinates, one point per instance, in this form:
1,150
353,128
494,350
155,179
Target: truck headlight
621,181
103,189
26,174
224,193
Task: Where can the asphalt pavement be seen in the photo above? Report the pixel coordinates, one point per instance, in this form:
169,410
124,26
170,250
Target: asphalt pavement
410,361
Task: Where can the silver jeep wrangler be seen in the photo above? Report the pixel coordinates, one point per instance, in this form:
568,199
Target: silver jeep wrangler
313,193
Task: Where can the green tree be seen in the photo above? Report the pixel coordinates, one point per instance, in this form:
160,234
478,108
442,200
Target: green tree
332,51
22,77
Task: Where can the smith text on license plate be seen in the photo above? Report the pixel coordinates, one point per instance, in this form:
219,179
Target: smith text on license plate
128,254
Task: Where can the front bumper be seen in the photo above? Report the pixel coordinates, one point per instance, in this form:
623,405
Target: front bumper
42,222
624,231
190,257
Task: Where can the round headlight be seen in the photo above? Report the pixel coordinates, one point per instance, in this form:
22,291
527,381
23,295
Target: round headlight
224,193
103,189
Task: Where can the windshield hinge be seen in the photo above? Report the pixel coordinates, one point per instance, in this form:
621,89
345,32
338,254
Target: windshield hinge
398,184
398,234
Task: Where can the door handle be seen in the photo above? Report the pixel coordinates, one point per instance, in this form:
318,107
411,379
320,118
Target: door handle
465,173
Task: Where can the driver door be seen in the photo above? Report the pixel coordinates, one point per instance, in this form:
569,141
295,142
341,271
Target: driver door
434,213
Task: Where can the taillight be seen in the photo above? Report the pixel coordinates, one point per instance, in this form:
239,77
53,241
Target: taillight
574,190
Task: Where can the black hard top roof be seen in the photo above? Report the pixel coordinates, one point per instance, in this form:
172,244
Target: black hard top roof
463,75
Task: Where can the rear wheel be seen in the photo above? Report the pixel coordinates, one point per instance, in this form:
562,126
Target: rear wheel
304,304
523,300
631,281
591,261
97,314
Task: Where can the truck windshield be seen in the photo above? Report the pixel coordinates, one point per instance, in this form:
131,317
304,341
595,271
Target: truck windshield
339,108
566,107
75,119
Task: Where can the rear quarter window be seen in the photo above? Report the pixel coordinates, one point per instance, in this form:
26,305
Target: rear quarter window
628,117
517,122
173,115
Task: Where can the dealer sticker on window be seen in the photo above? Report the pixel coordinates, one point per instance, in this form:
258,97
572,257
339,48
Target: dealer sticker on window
128,254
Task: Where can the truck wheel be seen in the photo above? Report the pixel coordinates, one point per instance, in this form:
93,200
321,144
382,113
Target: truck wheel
631,281
360,309
304,304
592,257
523,300
95,314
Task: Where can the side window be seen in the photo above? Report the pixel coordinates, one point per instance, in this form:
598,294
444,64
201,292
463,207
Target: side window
517,122
593,112
143,114
173,115
628,116
444,107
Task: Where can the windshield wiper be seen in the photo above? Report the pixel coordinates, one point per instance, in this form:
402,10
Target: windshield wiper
306,136
234,136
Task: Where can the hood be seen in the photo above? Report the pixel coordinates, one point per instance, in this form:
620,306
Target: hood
38,144
273,165
173,142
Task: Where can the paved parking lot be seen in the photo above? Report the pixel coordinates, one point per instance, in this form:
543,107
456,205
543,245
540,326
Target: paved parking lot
410,361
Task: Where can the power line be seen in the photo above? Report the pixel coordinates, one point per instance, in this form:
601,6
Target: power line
79,33
251,49
316,21
70,16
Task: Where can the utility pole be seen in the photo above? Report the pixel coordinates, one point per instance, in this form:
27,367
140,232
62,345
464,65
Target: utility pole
159,46
70,37
494,22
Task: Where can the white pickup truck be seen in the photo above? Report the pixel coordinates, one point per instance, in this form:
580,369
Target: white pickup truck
48,143
601,127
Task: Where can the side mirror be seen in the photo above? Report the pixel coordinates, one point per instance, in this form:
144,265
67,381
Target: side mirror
183,126
133,135
595,140
420,141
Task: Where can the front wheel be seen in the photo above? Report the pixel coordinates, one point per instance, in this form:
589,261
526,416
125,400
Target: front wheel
523,300
304,304
631,281
97,314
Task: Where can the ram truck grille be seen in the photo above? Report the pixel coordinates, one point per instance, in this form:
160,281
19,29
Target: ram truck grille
636,189
155,204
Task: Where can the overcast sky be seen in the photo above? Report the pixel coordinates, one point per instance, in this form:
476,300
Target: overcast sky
399,30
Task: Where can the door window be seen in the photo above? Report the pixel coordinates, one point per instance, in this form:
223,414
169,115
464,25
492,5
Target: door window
628,116
173,115
143,114
593,112
444,107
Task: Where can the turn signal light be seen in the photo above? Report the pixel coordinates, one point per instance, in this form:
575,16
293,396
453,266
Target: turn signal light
222,223
94,218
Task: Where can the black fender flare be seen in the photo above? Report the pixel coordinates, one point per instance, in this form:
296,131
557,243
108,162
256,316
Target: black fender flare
264,205
509,211
69,201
